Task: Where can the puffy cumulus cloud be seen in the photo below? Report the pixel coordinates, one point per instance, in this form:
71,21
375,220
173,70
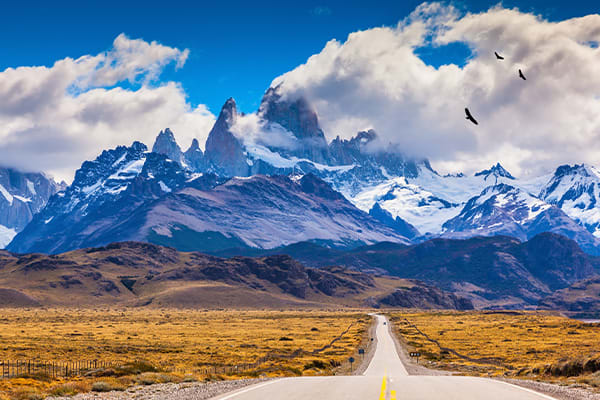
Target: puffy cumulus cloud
53,118
375,79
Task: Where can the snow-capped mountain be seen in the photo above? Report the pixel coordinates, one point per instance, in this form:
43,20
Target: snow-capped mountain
507,210
22,194
576,190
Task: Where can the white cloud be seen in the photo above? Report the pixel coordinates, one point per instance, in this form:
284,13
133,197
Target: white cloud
376,80
53,118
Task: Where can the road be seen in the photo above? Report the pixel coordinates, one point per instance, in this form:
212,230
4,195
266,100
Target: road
384,379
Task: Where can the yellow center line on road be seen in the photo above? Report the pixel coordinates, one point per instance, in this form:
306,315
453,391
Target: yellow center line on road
383,388
392,395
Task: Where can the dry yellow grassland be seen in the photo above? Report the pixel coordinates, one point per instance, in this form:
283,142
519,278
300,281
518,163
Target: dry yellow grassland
529,345
180,342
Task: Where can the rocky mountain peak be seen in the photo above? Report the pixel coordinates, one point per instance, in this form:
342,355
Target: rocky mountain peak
194,157
166,144
496,171
224,152
298,117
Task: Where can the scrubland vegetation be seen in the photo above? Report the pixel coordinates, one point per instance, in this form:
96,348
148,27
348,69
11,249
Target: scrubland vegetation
158,345
524,345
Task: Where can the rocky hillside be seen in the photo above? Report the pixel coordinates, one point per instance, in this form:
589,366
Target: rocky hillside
134,273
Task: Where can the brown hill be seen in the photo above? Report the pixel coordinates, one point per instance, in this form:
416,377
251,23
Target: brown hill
138,274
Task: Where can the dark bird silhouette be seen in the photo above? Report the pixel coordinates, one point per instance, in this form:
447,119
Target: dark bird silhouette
470,117
498,56
521,75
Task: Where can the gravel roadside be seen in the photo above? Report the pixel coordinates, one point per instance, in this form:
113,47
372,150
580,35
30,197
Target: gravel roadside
169,391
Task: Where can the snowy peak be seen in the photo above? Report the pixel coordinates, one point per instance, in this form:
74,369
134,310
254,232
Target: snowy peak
495,172
576,190
166,144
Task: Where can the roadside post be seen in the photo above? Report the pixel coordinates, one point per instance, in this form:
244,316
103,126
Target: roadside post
362,353
351,359
415,355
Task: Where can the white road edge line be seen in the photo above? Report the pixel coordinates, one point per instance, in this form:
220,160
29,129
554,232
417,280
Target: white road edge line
545,396
249,389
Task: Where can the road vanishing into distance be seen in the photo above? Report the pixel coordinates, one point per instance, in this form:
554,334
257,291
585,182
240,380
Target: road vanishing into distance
385,378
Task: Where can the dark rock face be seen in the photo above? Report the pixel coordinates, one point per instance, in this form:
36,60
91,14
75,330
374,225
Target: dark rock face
223,150
424,297
166,144
298,117
398,224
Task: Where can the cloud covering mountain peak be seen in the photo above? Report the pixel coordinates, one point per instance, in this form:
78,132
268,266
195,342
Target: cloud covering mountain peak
377,79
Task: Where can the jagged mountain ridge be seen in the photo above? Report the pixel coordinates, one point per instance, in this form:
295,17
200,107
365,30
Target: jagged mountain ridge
129,193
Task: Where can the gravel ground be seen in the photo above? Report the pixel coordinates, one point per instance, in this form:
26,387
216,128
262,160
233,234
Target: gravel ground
169,391
557,391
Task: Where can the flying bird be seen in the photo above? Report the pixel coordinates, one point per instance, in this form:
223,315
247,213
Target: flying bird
470,117
498,56
521,75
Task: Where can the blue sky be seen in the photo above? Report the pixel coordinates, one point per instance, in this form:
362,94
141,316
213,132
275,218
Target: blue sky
236,47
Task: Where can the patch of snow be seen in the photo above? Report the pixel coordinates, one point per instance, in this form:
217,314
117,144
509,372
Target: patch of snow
257,151
48,220
92,188
129,170
6,194
6,235
117,162
22,199
164,187
31,187
195,176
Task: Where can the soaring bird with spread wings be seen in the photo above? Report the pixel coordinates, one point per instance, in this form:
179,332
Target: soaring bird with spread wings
498,56
521,75
470,117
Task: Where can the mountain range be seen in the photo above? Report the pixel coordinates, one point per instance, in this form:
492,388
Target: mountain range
270,179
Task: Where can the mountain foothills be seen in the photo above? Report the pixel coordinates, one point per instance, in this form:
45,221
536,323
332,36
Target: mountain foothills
136,274
270,179
492,272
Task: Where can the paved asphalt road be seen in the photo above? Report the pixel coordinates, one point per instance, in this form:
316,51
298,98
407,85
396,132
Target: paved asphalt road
384,379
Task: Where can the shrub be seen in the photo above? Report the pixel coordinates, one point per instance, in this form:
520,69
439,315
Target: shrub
27,394
316,364
107,386
70,389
